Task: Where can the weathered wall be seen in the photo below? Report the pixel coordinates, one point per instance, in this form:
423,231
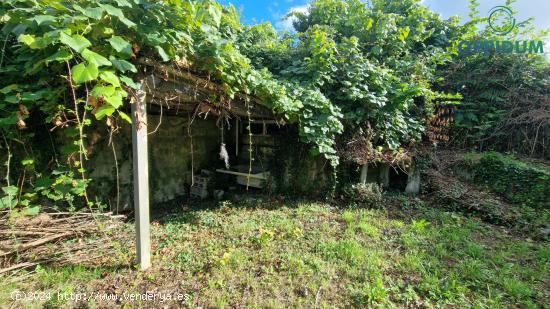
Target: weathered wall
169,159
296,170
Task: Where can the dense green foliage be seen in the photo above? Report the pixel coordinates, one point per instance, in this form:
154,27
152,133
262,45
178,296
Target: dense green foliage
505,103
518,182
365,67
352,71
373,62
64,60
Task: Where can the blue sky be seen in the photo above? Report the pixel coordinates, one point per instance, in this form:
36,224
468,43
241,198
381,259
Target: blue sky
254,11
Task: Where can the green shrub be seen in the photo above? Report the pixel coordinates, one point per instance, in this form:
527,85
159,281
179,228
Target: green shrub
369,194
518,182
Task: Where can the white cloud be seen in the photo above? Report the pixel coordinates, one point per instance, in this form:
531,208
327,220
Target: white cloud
286,23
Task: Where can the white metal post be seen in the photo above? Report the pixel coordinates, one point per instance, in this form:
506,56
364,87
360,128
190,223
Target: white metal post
141,179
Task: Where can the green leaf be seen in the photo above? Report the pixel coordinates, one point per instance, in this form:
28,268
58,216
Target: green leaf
43,183
95,13
96,58
127,22
32,211
113,11
103,91
39,19
115,100
121,45
7,121
404,33
32,96
105,110
9,88
72,132
125,116
84,73
69,149
7,202
27,39
32,42
110,77
123,3
123,65
76,41
26,162
216,14
10,190
129,82
162,53
12,99
60,56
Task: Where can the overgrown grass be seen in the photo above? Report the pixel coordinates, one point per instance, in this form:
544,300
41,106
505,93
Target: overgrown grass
259,253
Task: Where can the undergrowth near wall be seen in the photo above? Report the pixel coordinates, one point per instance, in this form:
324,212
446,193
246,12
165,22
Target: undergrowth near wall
456,181
519,182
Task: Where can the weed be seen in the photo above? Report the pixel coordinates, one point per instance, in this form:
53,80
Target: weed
369,230
371,293
279,257
516,288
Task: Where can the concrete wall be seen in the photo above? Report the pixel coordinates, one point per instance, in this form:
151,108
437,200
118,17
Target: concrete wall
170,161
169,158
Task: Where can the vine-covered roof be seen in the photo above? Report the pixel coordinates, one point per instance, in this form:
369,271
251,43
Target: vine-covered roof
177,87
349,66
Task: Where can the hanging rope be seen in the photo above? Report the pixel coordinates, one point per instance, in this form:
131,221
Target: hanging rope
190,121
248,113
224,156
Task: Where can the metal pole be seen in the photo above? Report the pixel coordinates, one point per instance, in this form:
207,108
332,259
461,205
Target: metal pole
141,179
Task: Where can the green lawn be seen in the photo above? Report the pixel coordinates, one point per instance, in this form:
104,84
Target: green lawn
264,253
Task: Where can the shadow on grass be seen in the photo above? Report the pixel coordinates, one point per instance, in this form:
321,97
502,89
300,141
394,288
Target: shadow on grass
185,210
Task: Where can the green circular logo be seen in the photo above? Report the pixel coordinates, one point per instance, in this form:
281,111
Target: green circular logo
501,19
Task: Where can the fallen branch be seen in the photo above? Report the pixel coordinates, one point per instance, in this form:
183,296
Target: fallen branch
17,266
41,241
78,238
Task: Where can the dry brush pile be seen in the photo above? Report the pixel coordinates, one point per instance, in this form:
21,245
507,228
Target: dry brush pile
60,238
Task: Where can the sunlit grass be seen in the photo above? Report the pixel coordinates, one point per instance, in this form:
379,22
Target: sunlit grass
302,254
